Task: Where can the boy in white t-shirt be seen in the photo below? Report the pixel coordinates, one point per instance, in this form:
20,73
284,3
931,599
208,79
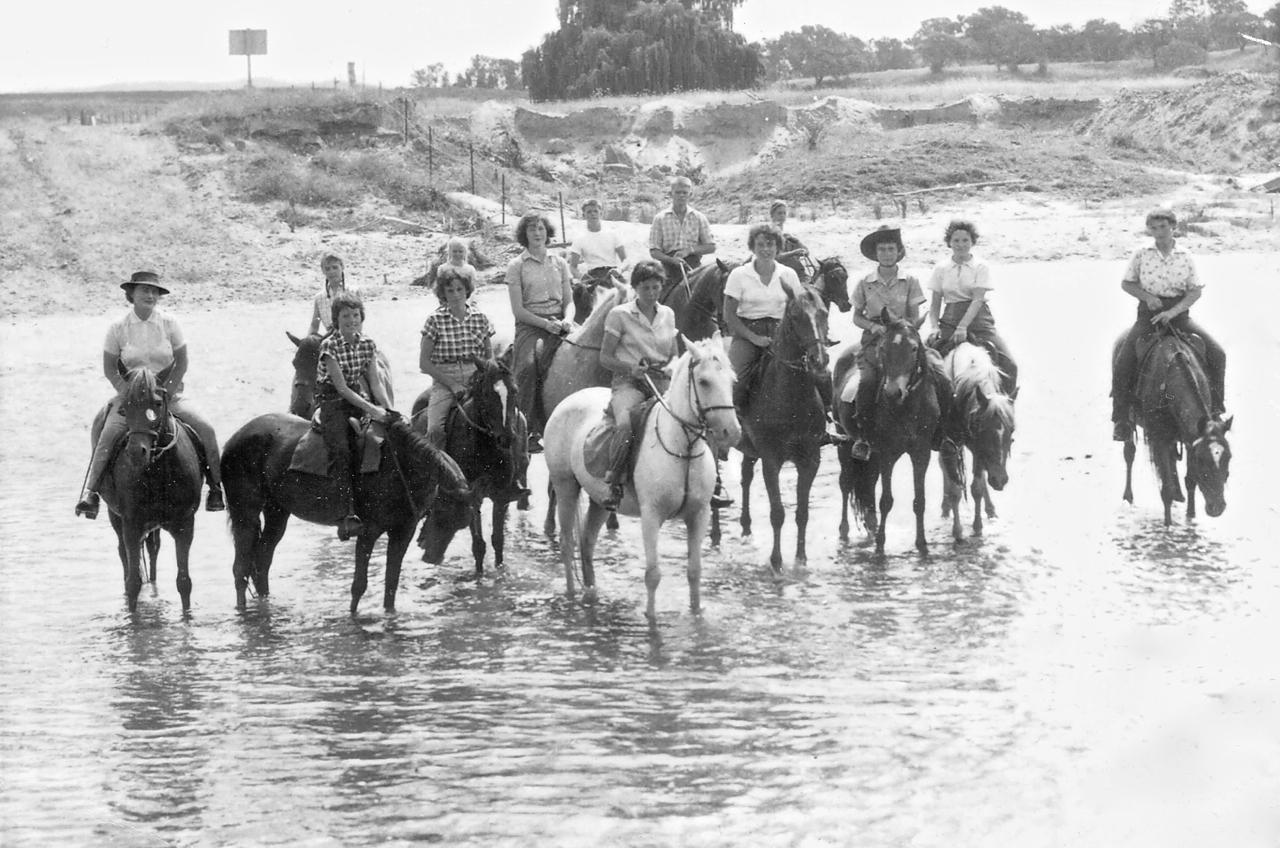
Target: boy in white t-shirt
596,247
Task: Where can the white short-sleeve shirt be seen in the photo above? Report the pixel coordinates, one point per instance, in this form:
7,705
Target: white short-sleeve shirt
758,299
958,281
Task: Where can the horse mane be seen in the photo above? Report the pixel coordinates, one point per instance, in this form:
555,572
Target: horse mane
972,369
141,384
420,449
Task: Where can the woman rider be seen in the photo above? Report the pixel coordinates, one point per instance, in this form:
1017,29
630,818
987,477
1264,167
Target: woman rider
962,283
883,289
453,336
792,251
639,342
335,283
145,336
540,289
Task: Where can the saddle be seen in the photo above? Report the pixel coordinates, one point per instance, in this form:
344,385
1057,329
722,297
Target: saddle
1152,369
177,422
597,448
311,454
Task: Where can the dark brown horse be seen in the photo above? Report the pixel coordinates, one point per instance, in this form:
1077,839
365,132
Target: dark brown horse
831,279
1172,408
486,435
785,418
912,394
588,289
306,359
413,479
153,482
698,300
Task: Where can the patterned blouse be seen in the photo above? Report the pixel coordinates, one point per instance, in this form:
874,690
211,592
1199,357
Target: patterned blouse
456,340
353,359
1164,276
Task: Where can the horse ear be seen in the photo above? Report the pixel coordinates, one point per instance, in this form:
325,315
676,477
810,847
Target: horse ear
720,264
688,343
479,360
124,372
885,317
1226,423
296,341
1013,395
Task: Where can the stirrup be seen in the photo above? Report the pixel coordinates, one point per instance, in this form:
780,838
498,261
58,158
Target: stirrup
861,449
535,443
1121,431
720,498
613,499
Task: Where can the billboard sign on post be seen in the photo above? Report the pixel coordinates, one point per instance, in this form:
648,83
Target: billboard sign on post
248,43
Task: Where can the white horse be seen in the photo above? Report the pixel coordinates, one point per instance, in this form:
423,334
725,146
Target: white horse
984,419
675,469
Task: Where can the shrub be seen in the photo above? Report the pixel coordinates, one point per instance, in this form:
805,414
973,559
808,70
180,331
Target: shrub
1177,54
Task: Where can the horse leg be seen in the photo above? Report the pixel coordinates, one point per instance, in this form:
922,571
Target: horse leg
981,495
777,513
919,468
567,509
695,528
499,528
275,521
478,549
1129,451
132,542
845,457
398,540
587,535
951,493
714,533
360,580
1190,480
244,536
549,524
748,474
117,524
650,524
182,532
886,499
611,521
153,553
804,482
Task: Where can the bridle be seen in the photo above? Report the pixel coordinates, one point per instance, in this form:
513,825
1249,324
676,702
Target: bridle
694,430
158,425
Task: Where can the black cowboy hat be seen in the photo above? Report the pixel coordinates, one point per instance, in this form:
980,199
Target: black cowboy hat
150,278
885,234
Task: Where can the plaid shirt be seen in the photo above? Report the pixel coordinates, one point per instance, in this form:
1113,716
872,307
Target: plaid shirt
458,341
668,233
353,358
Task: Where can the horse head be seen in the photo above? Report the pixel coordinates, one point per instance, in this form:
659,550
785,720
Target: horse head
146,411
586,290
1209,462
902,358
801,337
491,394
990,425
835,283
706,377
306,360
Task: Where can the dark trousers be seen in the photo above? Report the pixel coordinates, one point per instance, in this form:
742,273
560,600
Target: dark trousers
335,413
1124,374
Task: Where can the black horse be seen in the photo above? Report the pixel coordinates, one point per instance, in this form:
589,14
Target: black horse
486,435
1174,412
413,479
154,482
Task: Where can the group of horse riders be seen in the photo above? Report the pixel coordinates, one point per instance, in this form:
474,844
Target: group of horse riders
640,334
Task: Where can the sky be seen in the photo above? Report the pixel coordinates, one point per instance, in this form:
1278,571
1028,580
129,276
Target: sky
72,44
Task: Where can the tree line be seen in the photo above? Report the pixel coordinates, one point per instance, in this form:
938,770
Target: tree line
606,47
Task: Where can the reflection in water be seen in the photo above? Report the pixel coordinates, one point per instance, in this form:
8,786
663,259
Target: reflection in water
984,694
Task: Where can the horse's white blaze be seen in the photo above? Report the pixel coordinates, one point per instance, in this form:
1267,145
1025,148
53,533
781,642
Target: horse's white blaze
1216,452
501,389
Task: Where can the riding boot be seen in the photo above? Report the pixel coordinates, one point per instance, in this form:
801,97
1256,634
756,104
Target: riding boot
88,504
616,476
350,524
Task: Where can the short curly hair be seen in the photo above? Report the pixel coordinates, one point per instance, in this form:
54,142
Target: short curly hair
1162,213
763,230
961,224
447,273
647,269
527,220
341,301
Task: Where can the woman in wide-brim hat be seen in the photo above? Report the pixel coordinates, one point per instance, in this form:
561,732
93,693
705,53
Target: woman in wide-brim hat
885,289
146,336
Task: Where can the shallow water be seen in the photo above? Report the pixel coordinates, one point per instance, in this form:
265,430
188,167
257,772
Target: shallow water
1078,676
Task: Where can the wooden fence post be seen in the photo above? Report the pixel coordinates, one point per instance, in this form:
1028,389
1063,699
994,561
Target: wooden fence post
471,152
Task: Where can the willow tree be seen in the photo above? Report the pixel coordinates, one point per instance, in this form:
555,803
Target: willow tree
631,47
